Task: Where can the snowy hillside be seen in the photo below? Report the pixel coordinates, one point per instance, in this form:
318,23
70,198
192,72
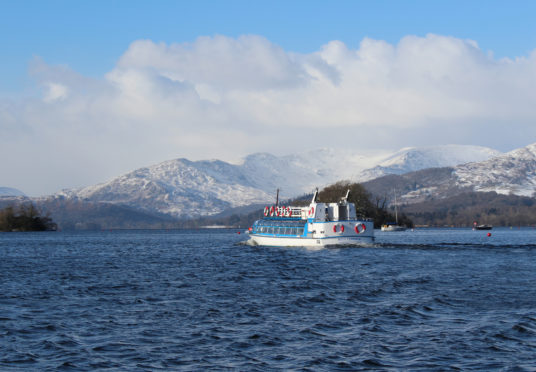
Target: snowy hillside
178,187
413,159
302,173
184,188
511,173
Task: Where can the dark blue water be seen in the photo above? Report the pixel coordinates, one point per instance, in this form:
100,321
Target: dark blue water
194,300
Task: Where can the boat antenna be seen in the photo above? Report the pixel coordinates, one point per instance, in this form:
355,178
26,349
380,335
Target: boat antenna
314,196
277,198
347,195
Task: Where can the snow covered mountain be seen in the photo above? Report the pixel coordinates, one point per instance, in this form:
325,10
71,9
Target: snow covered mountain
184,188
301,173
511,173
180,188
413,159
8,191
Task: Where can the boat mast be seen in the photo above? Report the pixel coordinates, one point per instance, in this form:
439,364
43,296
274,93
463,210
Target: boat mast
277,198
396,210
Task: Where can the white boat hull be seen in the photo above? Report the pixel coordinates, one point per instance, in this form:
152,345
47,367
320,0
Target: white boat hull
323,236
393,228
270,241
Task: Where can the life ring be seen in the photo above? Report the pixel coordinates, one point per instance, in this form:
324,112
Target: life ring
289,212
360,228
312,211
266,211
339,228
278,211
272,211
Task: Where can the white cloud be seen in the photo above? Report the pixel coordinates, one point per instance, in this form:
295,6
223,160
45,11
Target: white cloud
246,63
55,92
220,97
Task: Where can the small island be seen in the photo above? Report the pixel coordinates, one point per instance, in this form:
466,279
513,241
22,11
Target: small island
25,217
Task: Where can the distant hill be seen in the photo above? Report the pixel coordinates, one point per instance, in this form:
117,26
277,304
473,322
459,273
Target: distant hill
483,207
8,191
416,187
499,191
510,173
413,159
513,173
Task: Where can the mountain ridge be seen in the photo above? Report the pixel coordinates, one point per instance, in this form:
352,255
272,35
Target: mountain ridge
185,189
513,173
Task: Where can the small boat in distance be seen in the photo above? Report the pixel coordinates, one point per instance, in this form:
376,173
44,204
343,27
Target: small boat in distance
393,226
316,225
476,226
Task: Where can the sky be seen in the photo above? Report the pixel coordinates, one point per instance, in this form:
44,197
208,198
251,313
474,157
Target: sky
91,90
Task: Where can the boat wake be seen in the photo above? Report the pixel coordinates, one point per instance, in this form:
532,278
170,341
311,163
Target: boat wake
454,246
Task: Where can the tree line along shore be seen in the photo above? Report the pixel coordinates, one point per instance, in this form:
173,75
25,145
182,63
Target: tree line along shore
24,217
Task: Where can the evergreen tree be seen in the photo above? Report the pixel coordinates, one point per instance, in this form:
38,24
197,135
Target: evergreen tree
25,218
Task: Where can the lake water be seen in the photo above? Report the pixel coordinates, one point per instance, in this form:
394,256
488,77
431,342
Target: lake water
430,299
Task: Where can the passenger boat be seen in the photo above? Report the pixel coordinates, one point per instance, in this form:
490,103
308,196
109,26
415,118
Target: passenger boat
316,225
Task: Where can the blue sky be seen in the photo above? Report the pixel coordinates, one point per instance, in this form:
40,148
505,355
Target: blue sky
90,36
105,87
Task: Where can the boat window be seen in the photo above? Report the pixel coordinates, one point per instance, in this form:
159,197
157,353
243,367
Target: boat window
343,212
286,227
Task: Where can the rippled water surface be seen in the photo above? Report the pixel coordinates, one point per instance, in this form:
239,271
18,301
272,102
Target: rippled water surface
444,299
